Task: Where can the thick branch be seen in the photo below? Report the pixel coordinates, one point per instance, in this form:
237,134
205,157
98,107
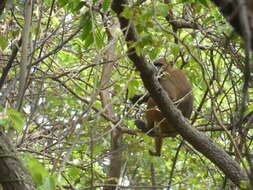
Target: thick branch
24,56
13,175
116,135
198,140
233,11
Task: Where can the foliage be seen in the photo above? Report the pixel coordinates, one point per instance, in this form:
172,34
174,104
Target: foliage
63,128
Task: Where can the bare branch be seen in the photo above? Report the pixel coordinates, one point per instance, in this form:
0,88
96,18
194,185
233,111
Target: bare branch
198,140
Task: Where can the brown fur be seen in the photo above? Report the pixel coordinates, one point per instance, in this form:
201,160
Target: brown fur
178,87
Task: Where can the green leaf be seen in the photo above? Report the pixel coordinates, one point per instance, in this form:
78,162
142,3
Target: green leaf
153,53
245,184
3,42
85,19
55,21
87,25
117,87
175,49
204,2
106,5
144,40
127,13
77,5
74,172
4,122
138,50
17,119
62,3
99,39
48,183
36,169
248,110
48,2
162,9
89,40
132,88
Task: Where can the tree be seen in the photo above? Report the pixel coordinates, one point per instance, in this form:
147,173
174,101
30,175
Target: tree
69,116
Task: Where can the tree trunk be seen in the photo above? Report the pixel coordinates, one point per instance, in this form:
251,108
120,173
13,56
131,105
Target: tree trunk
198,140
13,175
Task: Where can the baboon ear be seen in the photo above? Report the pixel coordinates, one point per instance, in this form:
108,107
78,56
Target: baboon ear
163,62
160,62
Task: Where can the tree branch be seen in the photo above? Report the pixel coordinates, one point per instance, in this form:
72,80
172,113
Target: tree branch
198,140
